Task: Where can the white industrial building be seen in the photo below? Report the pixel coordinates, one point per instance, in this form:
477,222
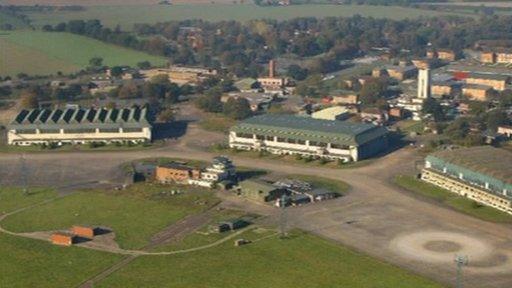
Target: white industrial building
295,135
79,126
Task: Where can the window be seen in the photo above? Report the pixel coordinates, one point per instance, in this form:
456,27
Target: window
26,131
338,146
79,130
132,130
244,135
109,130
280,139
260,137
49,131
269,138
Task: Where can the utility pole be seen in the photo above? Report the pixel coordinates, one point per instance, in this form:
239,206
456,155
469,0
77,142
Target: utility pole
282,218
460,261
23,174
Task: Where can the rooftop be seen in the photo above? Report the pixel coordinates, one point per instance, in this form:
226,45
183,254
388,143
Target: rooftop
489,76
339,132
476,86
80,118
486,160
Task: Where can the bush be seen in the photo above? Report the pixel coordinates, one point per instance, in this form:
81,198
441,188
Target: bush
323,161
308,159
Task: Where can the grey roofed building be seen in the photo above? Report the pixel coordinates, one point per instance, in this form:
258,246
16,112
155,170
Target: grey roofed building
485,160
71,125
339,132
80,118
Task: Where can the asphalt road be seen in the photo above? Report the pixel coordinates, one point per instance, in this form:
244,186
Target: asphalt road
370,218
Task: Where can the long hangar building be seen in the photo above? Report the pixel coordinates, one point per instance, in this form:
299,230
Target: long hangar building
288,134
483,174
79,126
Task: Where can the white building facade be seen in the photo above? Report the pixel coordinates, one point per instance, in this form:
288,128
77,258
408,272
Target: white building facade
292,135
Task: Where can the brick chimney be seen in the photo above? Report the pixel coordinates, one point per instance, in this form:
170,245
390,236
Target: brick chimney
271,69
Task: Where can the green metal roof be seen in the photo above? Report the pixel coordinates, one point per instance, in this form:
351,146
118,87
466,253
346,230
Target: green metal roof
305,128
483,164
80,118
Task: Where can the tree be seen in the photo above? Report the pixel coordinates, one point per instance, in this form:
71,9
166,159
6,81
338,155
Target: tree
237,108
129,90
29,100
495,118
96,62
210,101
458,129
431,106
297,72
116,71
144,65
166,115
372,90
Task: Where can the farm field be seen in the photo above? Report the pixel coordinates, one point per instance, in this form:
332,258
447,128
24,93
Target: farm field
34,263
43,53
302,260
126,16
134,214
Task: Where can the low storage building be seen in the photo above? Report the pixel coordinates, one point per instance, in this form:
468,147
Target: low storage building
176,173
295,135
261,191
79,126
63,238
476,92
483,174
331,113
84,231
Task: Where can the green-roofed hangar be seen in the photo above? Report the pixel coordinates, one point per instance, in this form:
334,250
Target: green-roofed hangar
483,174
79,126
292,135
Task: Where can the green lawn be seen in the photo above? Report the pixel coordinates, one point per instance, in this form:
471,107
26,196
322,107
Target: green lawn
12,198
33,263
217,123
126,16
452,200
302,260
43,53
134,214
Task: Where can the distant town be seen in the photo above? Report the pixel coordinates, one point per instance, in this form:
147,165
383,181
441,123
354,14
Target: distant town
377,150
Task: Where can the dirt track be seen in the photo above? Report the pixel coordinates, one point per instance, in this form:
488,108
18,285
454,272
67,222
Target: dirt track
371,217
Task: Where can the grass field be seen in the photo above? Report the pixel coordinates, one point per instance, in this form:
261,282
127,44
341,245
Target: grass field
216,123
126,16
302,260
34,263
134,214
452,200
12,198
40,53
